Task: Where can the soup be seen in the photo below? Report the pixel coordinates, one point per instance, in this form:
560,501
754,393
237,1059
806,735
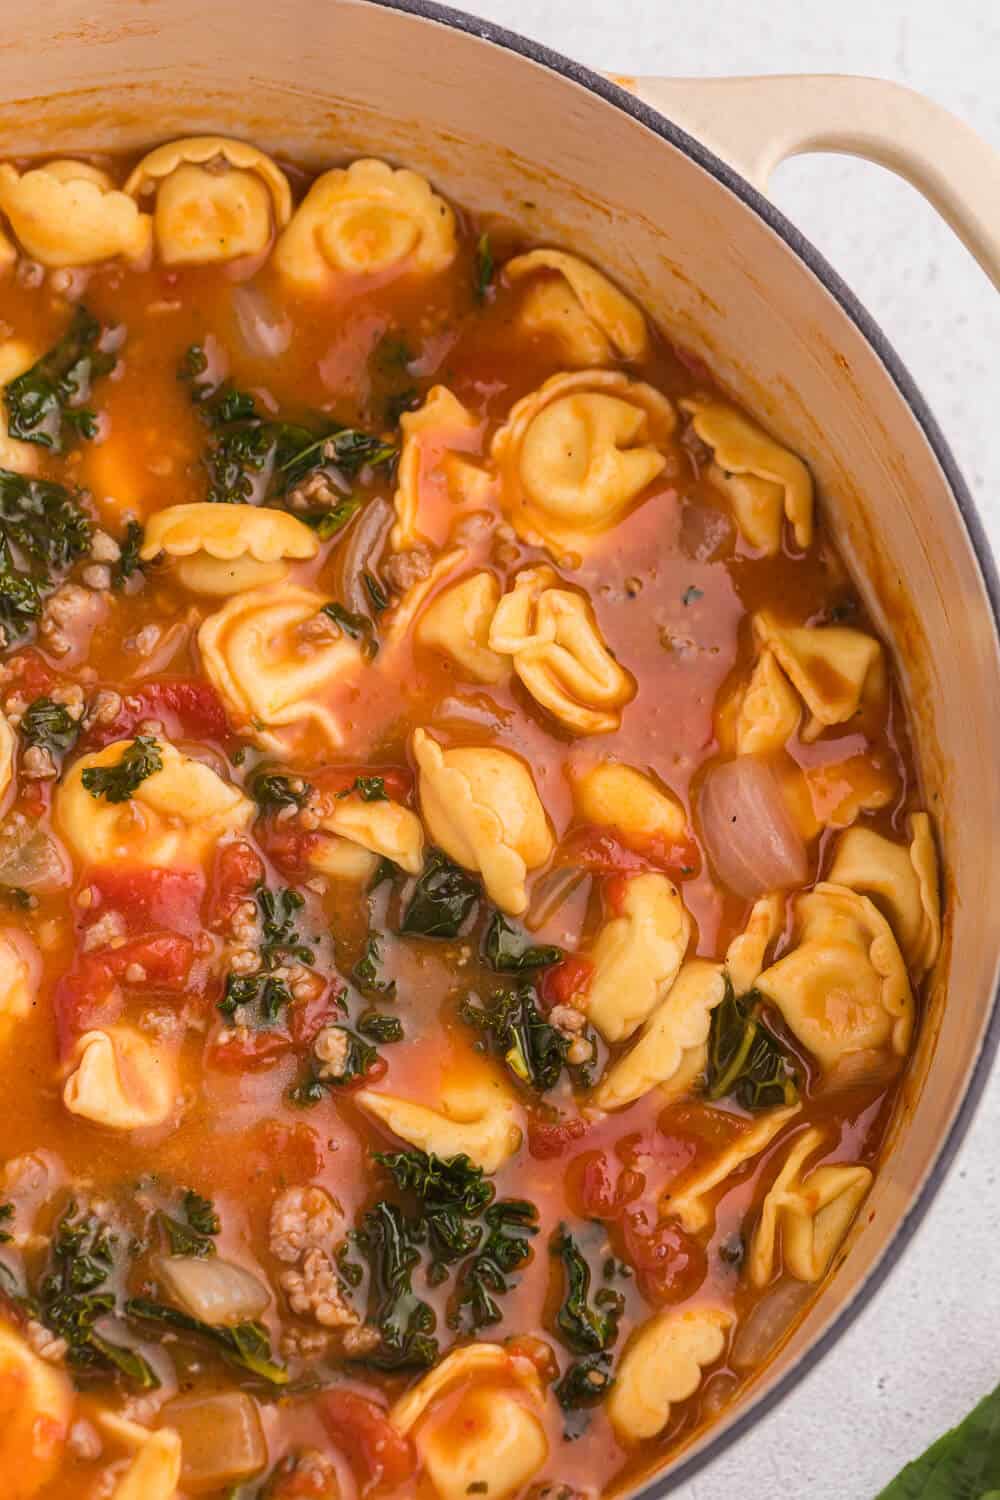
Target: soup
466,894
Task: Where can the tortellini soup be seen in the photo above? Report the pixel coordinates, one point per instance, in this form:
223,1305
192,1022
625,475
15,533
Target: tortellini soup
468,899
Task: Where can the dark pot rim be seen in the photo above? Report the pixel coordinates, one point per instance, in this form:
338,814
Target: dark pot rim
910,1220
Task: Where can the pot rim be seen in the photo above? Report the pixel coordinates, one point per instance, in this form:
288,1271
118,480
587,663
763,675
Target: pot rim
910,1220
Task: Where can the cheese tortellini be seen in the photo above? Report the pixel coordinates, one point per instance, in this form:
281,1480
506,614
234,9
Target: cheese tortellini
69,213
457,624
611,795
637,956
19,964
811,1211
492,1438
155,1470
764,482
214,199
121,1079
689,1202
835,669
902,881
227,549
575,455
480,805
769,709
478,1121
672,1048
559,654
843,987
438,429
663,1363
36,1409
593,321
7,743
174,817
274,657
746,953
385,829
365,220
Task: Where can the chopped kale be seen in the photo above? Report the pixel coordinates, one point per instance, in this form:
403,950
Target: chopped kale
44,520
507,950
369,789
442,899
118,782
45,405
484,267
380,1028
745,1059
6,1215
280,940
255,1000
404,1322
359,1058
452,1194
259,999
358,627
49,725
534,1051
365,972
585,1383
20,596
326,523
192,1234
129,561
376,593
507,1246
201,1214
271,789
245,1345
585,1327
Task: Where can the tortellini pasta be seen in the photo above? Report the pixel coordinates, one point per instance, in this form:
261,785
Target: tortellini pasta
902,880
478,1121
263,653
36,1409
7,743
575,455
440,427
122,1080
457,624
69,213
689,1202
18,975
480,805
365,220
174,817
672,1048
559,654
637,956
834,668
385,828
843,987
227,549
769,710
593,321
811,1211
663,1363
155,1470
492,1438
611,795
764,482
215,199
746,953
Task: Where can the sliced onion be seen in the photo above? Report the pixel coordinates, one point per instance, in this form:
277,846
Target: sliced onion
265,333
361,541
551,892
40,863
221,1438
212,1289
768,1321
749,833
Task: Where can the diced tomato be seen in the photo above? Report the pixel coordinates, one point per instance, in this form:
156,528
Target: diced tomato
247,1051
669,1263
236,872
187,708
148,898
288,846
603,852
548,1139
565,980
362,1431
603,1188
30,674
308,1017
90,993
397,780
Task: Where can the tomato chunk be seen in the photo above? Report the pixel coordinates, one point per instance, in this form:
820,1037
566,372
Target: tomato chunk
90,993
669,1263
565,980
548,1139
187,708
236,873
603,852
361,1429
242,1050
397,780
148,898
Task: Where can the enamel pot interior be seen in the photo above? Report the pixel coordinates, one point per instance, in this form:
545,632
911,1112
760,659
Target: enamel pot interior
510,129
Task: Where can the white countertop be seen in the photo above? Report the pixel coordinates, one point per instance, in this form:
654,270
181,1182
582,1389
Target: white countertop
929,1346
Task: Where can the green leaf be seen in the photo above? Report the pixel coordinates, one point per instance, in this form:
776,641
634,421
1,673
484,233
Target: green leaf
129,561
43,519
508,951
451,1193
585,1327
585,1383
365,973
380,1028
326,523
117,783
369,788
442,899
404,1321
745,1059
45,405
963,1464
48,725
509,1223
246,1345
271,789
534,1051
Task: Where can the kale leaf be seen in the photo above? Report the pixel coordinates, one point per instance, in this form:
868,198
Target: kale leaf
258,999
359,1058
192,1235
368,788
129,561
49,725
963,1464
245,1345
585,1382
534,1051
442,899
451,1194
380,1028
745,1059
585,1327
45,405
508,951
117,783
404,1322
280,940
358,627
20,596
507,1246
326,523
365,972
44,520
270,789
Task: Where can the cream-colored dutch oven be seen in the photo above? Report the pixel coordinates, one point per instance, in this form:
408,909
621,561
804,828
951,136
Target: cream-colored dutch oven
503,125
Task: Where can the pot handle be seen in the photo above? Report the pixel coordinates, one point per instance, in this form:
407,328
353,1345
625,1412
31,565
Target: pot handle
754,124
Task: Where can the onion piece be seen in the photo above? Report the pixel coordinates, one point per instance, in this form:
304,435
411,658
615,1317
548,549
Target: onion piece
553,891
749,832
38,863
768,1321
362,539
264,332
222,1439
214,1290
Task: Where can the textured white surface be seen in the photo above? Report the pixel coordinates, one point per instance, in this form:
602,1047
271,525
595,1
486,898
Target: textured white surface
929,1345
